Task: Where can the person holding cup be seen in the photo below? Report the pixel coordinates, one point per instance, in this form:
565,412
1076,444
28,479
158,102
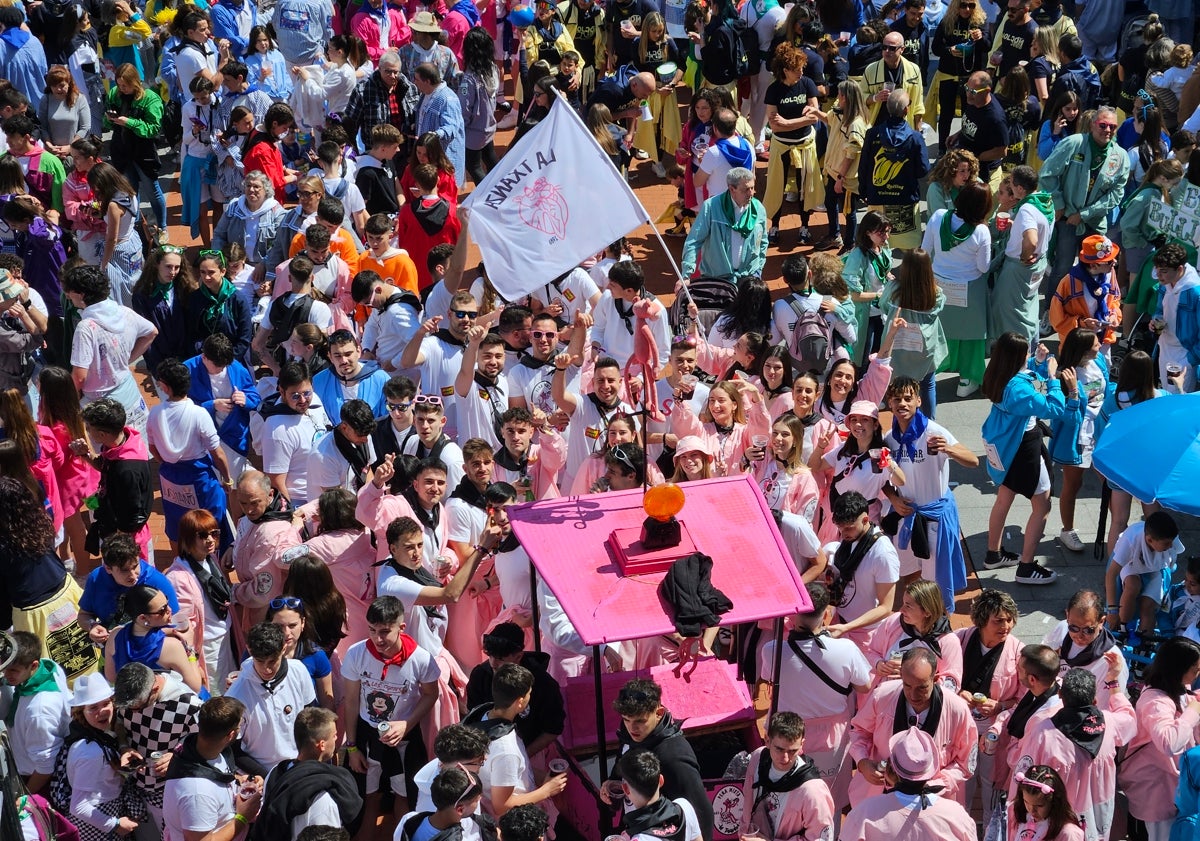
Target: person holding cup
859,463
894,72
1019,260
775,459
783,789
1175,317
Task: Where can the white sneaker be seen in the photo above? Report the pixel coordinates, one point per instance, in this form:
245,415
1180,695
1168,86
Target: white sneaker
1070,540
641,154
659,170
791,195
508,121
966,388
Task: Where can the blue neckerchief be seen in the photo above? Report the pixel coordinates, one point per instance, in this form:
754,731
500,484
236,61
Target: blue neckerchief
1097,287
15,37
735,154
467,9
908,439
381,12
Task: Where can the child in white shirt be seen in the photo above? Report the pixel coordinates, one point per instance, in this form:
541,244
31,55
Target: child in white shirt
1142,561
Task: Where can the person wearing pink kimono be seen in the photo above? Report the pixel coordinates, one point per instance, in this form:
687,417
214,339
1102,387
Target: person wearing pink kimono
990,653
265,533
1080,741
742,360
422,501
734,415
920,623
917,808
783,792
530,457
1042,811
1168,725
1037,674
345,547
916,700
843,388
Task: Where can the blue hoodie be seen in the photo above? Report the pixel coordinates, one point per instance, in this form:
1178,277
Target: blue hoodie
370,379
892,164
1006,422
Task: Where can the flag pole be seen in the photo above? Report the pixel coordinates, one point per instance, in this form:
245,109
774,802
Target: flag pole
682,283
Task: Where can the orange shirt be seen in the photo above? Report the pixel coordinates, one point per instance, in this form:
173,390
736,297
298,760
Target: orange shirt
341,244
398,269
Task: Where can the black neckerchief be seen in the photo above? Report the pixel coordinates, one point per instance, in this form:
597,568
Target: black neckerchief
847,558
663,819
492,392
471,495
422,450
508,544
1024,710
626,317
428,519
799,774
86,733
803,634
723,430
531,361
188,763
355,455
277,680
449,338
978,667
931,640
212,581
420,575
1084,726
811,419
933,715
1102,642
508,461
278,510
921,789
607,413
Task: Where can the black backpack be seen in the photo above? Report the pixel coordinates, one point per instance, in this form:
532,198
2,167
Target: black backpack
285,319
731,52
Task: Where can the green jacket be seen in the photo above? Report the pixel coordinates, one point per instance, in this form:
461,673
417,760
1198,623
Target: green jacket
1065,175
712,237
52,166
916,363
144,116
1135,229
860,276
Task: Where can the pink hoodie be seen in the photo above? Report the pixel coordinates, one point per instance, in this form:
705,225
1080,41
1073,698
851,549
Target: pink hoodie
1150,772
889,632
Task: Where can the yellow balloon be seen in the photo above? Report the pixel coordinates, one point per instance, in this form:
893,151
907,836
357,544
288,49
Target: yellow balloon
663,502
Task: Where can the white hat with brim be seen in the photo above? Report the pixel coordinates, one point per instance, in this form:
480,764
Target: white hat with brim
90,689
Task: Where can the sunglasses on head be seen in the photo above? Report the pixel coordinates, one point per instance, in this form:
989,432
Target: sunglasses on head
432,399
212,254
622,458
683,341
172,249
474,786
287,603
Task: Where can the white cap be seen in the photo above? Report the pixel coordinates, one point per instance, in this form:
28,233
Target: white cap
90,689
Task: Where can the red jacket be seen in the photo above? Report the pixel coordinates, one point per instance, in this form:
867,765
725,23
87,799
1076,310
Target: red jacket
422,224
264,156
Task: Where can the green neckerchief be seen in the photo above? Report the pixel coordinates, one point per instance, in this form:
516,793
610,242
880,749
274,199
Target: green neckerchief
1042,201
744,224
951,237
215,303
160,291
881,263
42,680
1099,153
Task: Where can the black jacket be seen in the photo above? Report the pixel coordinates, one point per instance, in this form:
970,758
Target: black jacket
291,790
546,712
125,497
680,769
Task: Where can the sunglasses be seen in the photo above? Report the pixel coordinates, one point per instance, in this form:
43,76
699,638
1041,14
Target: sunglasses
977,91
172,249
212,254
543,334
683,341
465,313
887,48
205,535
307,194
165,610
966,5
399,407
474,787
1025,780
432,399
296,397
1106,126
1085,630
622,458
287,603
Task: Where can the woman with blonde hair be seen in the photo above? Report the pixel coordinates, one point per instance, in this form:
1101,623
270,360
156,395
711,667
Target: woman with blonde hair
785,480
921,622
134,114
1044,62
655,49
953,171
848,122
63,114
792,168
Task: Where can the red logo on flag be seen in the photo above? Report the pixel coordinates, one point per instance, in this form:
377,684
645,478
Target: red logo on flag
543,208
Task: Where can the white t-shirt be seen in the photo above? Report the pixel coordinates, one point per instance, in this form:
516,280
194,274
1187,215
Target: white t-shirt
512,573
270,714
198,805
387,333
319,315
466,522
438,302
798,536
588,429
451,456
189,62
507,764
392,698
181,431
1028,217
1132,554
880,566
479,412
573,292
438,372
964,263
802,692
717,166
288,440
328,468
343,189
862,478
103,352
428,630
926,477
616,339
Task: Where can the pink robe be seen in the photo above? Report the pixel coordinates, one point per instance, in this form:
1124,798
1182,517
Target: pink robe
1091,783
191,605
717,360
547,457
376,510
257,560
1010,750
806,811
889,632
76,477
1029,830
803,494
871,731
728,457
1005,686
780,404
349,556
1150,772
894,817
49,461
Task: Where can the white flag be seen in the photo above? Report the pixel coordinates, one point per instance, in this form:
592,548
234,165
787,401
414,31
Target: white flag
554,200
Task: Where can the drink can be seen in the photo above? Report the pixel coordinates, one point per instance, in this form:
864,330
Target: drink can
155,756
383,727
979,698
992,737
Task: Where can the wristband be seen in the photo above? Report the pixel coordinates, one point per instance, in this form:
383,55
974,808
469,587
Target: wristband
1112,611
351,748
483,551
240,818
1111,684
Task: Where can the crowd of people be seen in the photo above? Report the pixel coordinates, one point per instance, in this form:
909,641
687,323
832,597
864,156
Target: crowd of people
338,638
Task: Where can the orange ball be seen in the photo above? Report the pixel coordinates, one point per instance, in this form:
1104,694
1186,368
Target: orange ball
663,502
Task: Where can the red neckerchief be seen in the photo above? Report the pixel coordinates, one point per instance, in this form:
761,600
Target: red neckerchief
407,646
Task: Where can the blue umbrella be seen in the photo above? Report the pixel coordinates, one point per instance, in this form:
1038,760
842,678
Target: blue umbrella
1152,452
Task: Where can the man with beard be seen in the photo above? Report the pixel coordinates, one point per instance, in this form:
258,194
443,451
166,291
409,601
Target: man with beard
348,377
590,414
438,351
481,387
421,500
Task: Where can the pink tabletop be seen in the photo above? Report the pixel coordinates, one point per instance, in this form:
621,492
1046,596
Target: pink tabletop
727,518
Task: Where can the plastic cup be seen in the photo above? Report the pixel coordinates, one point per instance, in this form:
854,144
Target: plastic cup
689,382
889,86
557,766
1174,370
760,441
1003,221
247,791
753,832
616,790
875,454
